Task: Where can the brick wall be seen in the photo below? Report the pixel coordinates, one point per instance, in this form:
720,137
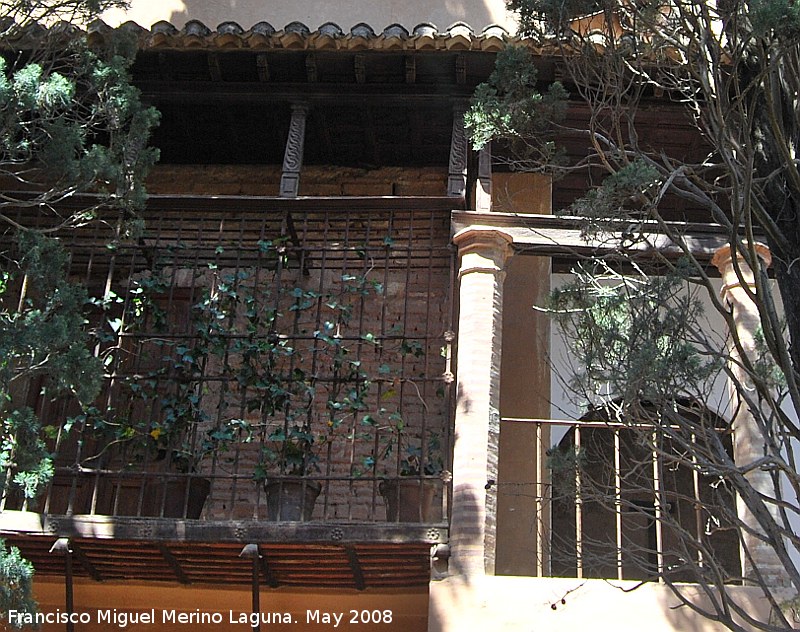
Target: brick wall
403,255
314,180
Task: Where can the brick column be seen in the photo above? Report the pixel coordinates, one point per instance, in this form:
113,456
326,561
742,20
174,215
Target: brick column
483,255
748,440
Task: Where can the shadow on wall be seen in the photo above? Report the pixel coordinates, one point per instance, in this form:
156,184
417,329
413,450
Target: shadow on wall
313,13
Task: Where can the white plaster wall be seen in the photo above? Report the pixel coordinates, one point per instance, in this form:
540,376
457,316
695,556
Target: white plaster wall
525,604
563,406
346,13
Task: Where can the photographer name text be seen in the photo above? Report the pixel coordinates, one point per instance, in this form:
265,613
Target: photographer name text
123,618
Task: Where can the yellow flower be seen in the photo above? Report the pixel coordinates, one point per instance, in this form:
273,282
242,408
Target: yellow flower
156,433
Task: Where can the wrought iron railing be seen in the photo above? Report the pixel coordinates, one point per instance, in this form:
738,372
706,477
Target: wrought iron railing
255,345
624,501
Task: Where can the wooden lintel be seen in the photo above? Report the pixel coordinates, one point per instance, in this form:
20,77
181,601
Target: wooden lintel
563,237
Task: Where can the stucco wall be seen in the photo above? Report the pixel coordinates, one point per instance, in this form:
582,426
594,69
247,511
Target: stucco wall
346,13
517,604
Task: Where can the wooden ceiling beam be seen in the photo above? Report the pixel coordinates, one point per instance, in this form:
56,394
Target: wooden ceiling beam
214,70
262,67
187,92
312,71
411,69
461,69
360,68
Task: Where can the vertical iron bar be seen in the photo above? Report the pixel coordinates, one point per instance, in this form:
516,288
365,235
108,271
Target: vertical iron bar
698,506
251,551
618,500
657,509
578,507
540,523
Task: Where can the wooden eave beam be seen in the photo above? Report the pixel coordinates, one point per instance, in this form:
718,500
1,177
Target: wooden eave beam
360,68
417,137
313,93
411,69
257,203
562,237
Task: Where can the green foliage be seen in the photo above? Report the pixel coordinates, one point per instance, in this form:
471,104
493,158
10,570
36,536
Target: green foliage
45,335
510,107
622,195
16,578
553,15
70,123
774,18
23,453
632,335
251,329
75,122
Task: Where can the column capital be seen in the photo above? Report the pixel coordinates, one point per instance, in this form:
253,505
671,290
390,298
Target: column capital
492,248
723,257
731,279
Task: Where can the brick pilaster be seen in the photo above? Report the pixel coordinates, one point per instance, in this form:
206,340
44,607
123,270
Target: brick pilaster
483,255
749,442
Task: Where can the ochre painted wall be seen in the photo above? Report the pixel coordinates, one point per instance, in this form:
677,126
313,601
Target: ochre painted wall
524,384
407,609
